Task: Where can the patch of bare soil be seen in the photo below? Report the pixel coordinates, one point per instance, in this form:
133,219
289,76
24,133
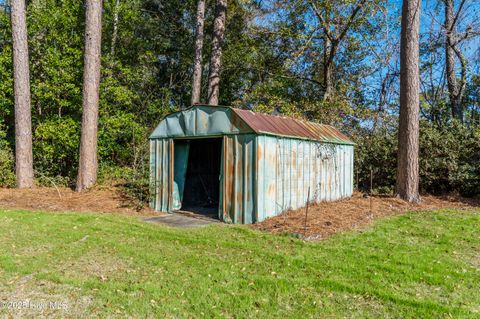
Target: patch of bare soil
328,218
26,297
100,200
95,264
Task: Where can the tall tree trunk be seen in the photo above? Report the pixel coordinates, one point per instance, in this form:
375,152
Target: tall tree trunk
197,64
21,83
408,133
454,89
116,9
216,59
87,169
327,68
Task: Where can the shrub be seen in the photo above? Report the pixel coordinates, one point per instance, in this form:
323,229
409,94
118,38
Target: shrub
55,150
377,153
137,183
449,159
7,175
120,138
133,181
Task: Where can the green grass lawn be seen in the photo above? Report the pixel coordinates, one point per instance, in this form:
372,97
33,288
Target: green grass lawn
417,265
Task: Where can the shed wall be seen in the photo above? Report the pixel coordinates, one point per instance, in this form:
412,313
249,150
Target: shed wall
161,177
287,168
238,179
262,176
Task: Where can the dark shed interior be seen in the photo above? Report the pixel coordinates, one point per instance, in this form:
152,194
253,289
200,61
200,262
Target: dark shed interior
202,182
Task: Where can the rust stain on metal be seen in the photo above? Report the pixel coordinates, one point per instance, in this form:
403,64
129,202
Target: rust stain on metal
239,123
271,190
268,162
287,126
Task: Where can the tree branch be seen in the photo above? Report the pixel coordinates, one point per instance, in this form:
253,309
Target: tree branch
322,21
463,71
457,15
351,19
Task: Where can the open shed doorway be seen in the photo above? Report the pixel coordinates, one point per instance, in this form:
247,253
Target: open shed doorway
202,180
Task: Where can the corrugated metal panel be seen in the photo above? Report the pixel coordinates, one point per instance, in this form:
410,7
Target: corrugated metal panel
161,177
180,159
238,176
201,121
263,173
262,176
286,126
288,167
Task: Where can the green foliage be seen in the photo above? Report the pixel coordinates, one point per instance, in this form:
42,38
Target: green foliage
449,159
376,154
133,180
56,55
137,181
55,148
6,72
119,138
7,175
145,79
273,61
137,185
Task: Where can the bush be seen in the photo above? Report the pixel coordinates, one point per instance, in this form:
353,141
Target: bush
137,183
133,181
376,153
136,187
449,159
120,138
55,150
7,175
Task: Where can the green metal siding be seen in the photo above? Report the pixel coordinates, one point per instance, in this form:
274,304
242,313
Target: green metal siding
287,168
261,175
179,172
238,176
200,121
160,174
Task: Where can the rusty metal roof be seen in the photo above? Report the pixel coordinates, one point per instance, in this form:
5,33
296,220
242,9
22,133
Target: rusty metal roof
206,120
287,126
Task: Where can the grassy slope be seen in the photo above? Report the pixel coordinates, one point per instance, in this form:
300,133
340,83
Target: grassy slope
416,265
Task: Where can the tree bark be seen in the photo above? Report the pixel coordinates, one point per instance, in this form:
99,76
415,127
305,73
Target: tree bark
197,64
455,89
21,80
328,55
87,169
116,8
216,58
408,134
331,40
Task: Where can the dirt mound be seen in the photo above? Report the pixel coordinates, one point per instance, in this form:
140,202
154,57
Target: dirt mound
327,218
100,200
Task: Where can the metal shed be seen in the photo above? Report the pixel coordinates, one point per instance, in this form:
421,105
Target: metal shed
243,166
